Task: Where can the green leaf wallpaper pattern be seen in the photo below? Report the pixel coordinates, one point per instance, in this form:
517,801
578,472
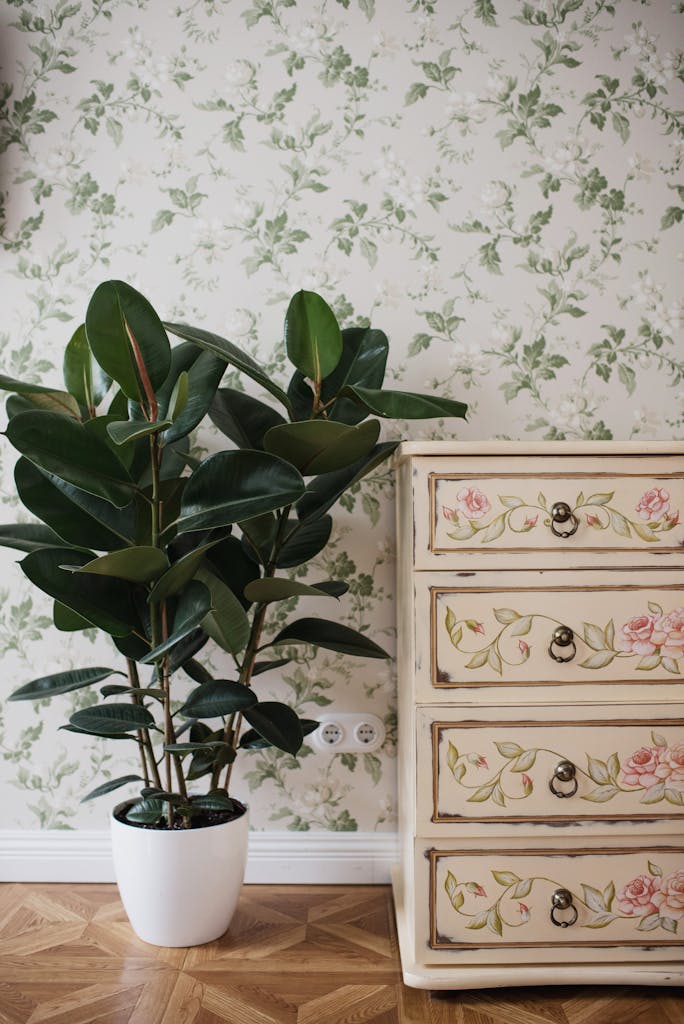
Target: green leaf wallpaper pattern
496,186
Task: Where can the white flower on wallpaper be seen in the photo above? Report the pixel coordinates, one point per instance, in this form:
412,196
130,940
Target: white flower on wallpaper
496,185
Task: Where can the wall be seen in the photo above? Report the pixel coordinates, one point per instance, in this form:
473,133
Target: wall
497,185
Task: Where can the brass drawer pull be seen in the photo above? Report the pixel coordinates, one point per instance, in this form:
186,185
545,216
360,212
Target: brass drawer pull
562,900
562,513
563,636
564,771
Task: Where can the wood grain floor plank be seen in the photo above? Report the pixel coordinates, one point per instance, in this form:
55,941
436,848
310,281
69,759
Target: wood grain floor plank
293,955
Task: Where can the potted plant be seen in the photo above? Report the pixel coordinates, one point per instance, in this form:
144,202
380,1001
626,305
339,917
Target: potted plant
164,552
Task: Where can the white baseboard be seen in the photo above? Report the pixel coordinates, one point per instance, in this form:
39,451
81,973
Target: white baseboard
297,858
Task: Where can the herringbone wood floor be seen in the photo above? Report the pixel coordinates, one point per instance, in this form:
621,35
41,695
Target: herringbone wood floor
293,955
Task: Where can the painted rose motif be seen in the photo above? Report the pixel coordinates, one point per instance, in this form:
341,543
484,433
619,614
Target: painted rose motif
669,899
636,636
653,504
472,503
645,768
637,898
674,760
668,634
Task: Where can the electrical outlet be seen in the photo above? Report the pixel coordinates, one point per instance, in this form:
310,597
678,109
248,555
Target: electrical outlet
345,732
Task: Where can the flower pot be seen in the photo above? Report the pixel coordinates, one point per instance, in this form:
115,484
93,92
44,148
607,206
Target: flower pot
179,887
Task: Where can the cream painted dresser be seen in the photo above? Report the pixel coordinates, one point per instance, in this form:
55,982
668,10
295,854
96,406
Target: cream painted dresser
541,713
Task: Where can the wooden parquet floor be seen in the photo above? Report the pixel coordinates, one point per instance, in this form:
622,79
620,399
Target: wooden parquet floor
293,955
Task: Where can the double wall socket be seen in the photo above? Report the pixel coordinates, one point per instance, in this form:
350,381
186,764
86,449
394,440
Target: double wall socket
345,732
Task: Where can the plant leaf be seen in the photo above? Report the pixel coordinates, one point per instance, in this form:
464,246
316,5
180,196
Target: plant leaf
325,490
110,786
313,340
277,723
28,536
231,486
84,378
303,541
138,564
68,450
263,591
218,698
404,405
193,605
243,419
104,602
112,719
126,431
333,636
232,354
227,623
62,682
114,305
180,573
321,446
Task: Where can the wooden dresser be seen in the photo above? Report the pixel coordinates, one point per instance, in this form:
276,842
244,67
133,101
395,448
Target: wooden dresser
541,713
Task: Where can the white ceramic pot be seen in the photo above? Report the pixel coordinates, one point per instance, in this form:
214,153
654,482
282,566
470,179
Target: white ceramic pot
180,887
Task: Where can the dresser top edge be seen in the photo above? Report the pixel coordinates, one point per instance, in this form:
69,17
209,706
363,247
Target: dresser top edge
413,449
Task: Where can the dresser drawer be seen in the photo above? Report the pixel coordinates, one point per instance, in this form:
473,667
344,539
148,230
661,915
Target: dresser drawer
513,512
478,906
550,767
484,629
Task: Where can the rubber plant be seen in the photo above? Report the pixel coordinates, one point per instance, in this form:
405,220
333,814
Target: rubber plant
165,552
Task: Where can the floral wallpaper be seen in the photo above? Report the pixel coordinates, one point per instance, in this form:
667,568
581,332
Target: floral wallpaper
496,184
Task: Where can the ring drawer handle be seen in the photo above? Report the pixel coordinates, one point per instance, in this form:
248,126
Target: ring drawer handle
563,636
562,900
564,771
562,513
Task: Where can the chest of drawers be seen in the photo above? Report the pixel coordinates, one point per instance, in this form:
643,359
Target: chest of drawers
540,595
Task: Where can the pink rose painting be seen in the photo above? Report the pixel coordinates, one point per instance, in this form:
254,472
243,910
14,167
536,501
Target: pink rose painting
645,768
636,636
637,898
669,899
674,760
653,504
668,634
472,503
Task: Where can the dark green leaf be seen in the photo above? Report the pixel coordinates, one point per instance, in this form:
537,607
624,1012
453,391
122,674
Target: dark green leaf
321,446
312,335
62,682
132,430
404,405
231,564
323,492
252,740
193,605
263,591
138,564
363,362
231,486
258,537
277,723
180,573
243,419
83,377
303,541
267,666
79,518
232,354
216,800
103,601
146,812
112,719
204,376
68,450
218,698
67,620
227,623
110,786
28,536
113,307
331,635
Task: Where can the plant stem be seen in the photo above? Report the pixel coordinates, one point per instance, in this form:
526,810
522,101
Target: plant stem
144,742
233,726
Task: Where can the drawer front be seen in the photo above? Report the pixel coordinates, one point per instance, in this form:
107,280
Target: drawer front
598,767
499,906
519,509
484,629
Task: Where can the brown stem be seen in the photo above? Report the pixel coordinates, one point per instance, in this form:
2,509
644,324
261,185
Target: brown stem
145,747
